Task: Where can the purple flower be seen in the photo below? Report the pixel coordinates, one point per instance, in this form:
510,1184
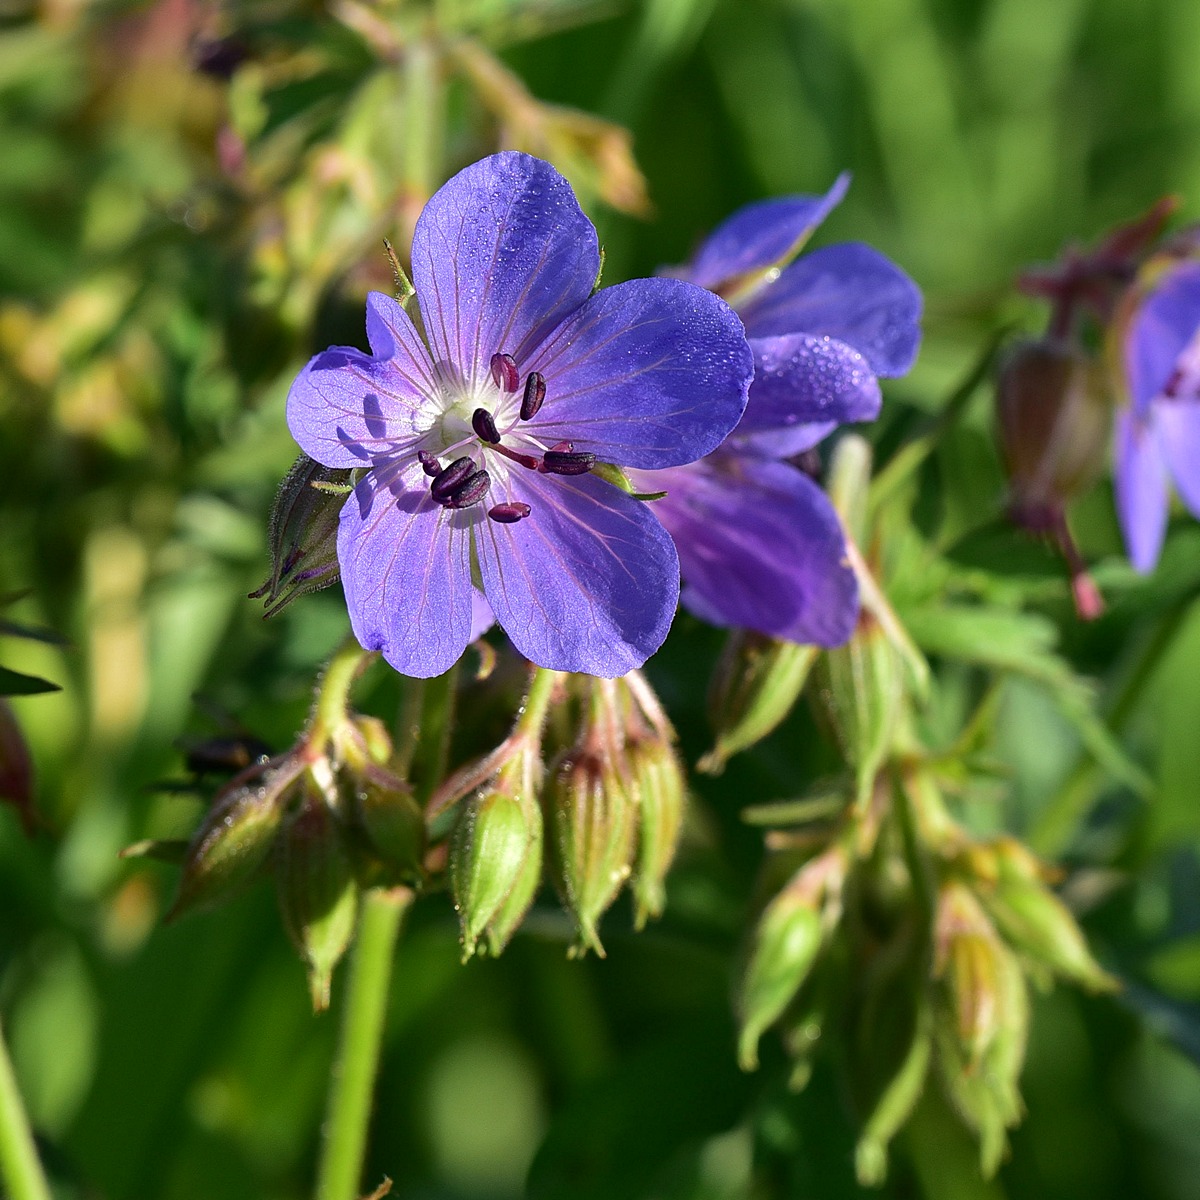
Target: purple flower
479,431
1158,431
759,543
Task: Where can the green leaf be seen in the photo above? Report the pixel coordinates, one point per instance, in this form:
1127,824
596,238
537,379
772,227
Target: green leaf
13,683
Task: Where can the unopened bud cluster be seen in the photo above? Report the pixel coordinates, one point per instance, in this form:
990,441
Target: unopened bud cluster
326,818
602,810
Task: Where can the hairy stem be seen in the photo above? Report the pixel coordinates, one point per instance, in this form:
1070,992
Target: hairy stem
348,1117
20,1170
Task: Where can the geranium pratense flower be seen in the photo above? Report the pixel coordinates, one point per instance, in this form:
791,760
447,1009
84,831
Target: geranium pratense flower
479,433
759,542
1158,430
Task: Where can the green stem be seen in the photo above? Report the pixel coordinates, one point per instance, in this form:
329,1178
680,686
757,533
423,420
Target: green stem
340,1167
20,1170
329,710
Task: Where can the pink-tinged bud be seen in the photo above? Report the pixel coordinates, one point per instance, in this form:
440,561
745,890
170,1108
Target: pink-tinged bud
318,894
237,834
303,533
592,816
756,684
16,769
661,791
967,963
1054,418
494,837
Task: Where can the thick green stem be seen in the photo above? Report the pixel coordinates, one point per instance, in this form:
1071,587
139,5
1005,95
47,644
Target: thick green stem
348,1118
20,1170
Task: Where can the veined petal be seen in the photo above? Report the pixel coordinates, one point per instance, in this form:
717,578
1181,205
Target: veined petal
482,617
802,379
1140,484
762,235
781,443
848,292
760,547
587,582
650,373
406,571
1162,328
502,254
1177,423
347,408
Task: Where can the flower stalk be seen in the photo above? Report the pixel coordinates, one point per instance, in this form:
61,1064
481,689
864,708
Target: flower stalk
20,1170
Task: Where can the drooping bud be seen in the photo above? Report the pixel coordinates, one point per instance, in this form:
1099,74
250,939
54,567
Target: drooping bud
1054,418
1040,926
592,817
237,833
661,792
493,840
756,684
303,533
860,690
16,769
512,909
784,947
318,895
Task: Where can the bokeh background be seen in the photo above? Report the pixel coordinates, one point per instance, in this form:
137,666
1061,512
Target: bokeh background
192,199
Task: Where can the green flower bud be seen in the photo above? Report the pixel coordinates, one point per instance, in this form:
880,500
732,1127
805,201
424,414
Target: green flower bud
488,852
389,818
303,533
661,792
784,947
985,1092
1054,416
894,1107
860,689
966,961
511,912
236,835
756,684
592,816
318,894
1039,925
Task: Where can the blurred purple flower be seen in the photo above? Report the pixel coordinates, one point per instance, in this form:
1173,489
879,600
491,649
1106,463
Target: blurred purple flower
759,542
1158,432
479,437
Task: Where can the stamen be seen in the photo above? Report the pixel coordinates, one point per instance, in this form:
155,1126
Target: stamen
470,491
524,460
429,464
446,483
563,462
509,514
484,425
563,447
535,394
504,372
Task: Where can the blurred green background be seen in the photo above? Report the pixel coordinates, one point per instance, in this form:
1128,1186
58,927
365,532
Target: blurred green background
191,203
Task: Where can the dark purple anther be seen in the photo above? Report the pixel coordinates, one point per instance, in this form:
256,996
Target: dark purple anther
470,491
509,514
504,372
429,464
484,425
535,394
446,483
562,462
